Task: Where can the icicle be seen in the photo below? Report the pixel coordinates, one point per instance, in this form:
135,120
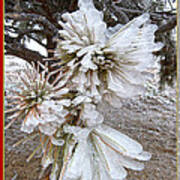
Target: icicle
86,4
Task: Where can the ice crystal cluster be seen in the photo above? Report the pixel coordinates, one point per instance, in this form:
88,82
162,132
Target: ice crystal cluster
95,66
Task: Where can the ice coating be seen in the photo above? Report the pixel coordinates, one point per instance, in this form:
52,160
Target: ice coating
120,62
98,154
86,4
95,65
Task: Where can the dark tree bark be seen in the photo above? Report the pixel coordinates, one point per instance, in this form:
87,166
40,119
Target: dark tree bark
13,47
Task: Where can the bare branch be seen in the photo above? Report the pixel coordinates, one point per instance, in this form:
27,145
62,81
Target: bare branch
171,23
120,14
14,48
139,12
33,17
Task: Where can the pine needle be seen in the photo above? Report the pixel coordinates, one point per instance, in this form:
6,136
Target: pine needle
33,153
24,140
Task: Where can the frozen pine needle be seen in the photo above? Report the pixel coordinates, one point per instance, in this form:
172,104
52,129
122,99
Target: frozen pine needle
92,65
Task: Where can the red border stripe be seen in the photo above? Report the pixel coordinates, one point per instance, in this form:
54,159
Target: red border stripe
2,90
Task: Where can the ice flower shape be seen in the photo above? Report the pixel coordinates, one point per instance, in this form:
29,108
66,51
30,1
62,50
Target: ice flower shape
106,67
103,153
39,103
94,65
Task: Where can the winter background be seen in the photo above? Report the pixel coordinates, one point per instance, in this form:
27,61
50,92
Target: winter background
149,119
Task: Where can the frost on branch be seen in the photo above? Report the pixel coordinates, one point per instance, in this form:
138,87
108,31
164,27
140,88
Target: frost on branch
103,67
104,154
95,65
38,102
